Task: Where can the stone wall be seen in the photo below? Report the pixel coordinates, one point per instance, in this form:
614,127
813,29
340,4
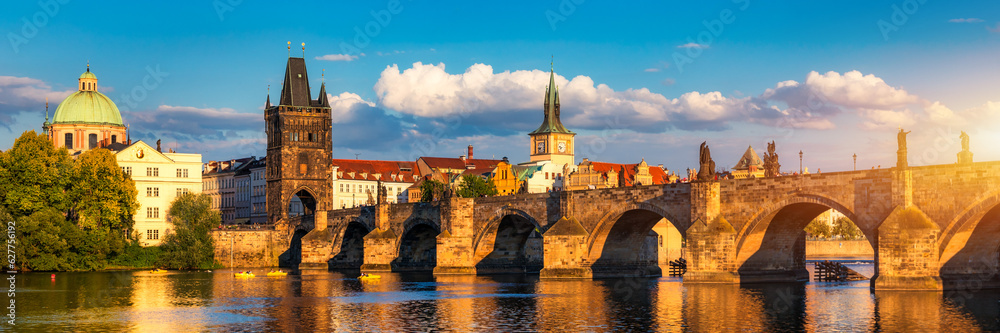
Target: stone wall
834,249
248,248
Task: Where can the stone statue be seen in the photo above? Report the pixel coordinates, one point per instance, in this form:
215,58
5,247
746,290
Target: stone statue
158,145
382,193
371,200
707,168
901,138
771,166
965,141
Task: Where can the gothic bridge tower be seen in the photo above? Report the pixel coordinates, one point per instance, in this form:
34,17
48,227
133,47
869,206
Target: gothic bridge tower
299,150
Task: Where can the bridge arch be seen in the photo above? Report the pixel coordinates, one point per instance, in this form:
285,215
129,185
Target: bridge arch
630,252
772,244
416,249
970,244
349,245
510,241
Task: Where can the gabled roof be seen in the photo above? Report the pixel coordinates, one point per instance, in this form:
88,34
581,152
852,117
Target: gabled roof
525,172
368,169
749,158
626,172
458,163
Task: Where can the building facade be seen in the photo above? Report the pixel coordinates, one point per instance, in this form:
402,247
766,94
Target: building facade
355,181
159,179
258,191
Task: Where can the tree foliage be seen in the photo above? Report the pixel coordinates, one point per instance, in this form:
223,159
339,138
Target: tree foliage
102,195
842,228
474,186
847,230
189,245
70,215
34,175
818,228
431,190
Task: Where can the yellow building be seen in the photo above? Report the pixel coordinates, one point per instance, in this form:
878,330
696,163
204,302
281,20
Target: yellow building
86,119
506,179
749,166
159,178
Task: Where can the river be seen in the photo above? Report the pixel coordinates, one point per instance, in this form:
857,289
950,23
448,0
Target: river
337,301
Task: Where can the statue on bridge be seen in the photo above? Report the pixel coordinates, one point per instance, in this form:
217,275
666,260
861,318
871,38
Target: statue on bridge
901,153
771,166
706,172
964,156
382,193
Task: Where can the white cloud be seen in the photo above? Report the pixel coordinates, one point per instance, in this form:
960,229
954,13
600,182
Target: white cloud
25,94
651,70
692,46
965,20
668,82
338,57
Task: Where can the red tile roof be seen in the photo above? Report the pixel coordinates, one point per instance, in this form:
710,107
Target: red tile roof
626,172
366,170
457,163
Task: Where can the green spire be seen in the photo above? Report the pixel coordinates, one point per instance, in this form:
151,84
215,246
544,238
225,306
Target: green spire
551,123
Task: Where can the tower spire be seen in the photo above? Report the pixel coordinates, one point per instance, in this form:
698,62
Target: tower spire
551,122
46,109
268,105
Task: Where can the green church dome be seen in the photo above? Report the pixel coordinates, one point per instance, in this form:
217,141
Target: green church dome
88,106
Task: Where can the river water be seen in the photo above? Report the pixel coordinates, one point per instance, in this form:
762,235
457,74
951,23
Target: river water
337,301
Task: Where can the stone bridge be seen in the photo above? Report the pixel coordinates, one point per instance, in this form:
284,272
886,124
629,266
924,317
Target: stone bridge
932,227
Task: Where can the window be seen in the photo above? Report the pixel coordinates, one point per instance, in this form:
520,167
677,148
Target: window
182,173
152,191
114,138
127,170
152,212
92,138
182,191
69,140
342,187
152,234
152,172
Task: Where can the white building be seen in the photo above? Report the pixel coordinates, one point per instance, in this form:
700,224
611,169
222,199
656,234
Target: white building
159,178
543,176
220,185
353,180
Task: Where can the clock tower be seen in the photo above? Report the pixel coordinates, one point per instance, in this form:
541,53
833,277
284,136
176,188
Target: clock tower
552,141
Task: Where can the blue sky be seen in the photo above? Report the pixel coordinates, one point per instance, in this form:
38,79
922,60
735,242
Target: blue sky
648,80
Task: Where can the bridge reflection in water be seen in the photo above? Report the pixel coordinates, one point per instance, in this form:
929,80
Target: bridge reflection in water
319,300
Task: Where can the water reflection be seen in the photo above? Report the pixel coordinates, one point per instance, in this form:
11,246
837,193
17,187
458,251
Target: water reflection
338,301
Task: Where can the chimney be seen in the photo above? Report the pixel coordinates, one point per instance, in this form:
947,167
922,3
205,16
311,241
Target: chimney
462,158
661,166
470,152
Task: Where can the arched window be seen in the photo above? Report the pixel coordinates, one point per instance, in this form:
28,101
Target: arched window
69,140
92,138
114,138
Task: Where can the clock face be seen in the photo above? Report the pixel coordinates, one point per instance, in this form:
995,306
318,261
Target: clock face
562,147
541,147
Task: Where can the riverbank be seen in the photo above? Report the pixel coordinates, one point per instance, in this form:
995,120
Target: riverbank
839,249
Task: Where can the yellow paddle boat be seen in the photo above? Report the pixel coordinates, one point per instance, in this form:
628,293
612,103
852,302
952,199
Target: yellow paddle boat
244,275
277,273
369,277
158,271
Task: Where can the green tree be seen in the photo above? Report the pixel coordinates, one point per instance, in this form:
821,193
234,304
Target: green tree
102,196
431,190
190,245
845,229
474,186
34,175
819,228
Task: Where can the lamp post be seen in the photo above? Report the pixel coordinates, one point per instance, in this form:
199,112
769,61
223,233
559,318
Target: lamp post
800,163
855,162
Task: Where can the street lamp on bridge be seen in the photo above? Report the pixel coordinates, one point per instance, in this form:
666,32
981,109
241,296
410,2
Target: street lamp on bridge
800,163
855,162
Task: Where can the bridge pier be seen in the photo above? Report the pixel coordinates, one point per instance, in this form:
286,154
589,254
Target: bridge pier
907,252
565,248
711,239
455,252
317,245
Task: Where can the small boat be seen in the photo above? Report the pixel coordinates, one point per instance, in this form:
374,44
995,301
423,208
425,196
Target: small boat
244,275
369,277
158,271
277,274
